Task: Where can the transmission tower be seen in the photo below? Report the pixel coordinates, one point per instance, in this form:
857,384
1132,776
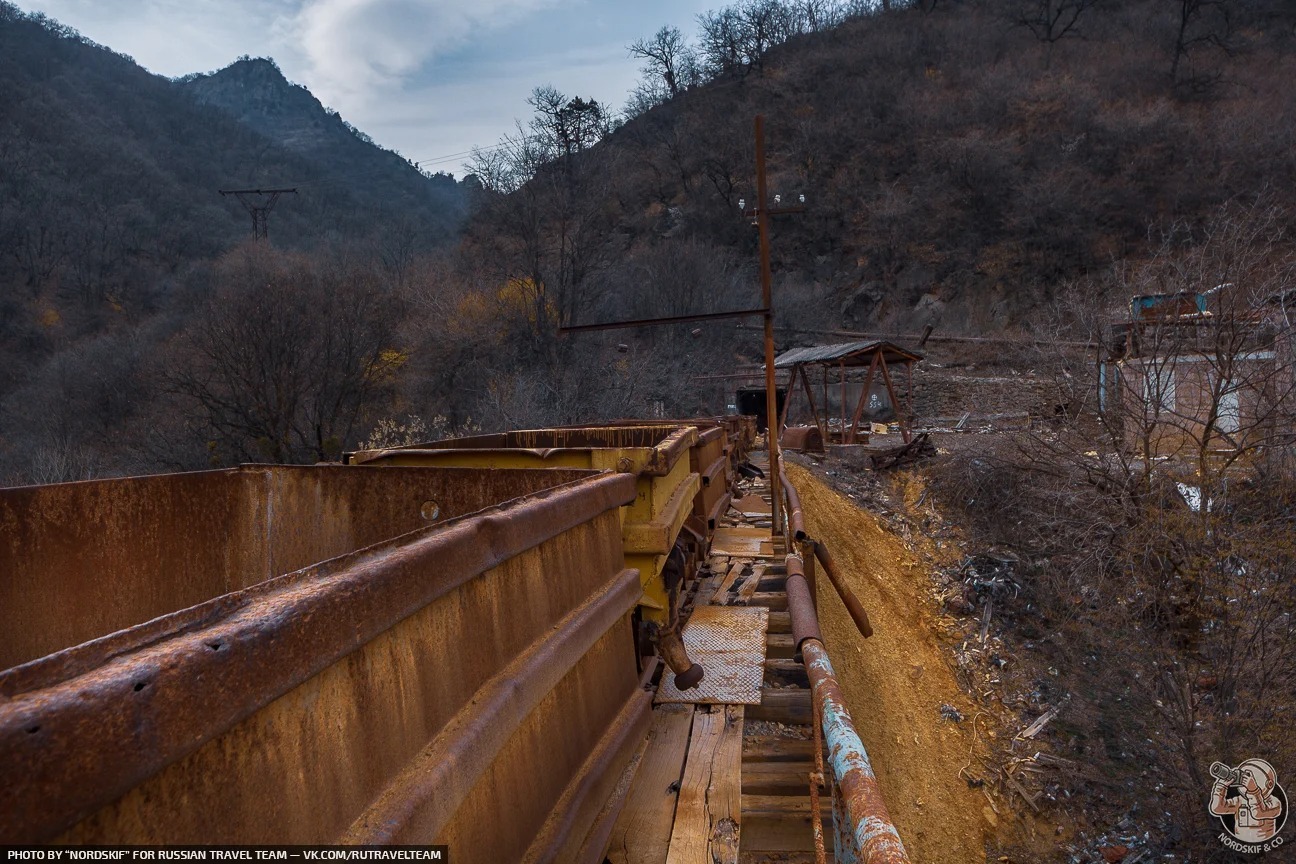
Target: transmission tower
259,203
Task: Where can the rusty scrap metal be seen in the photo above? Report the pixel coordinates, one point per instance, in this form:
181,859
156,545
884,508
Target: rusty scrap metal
83,560
803,439
560,838
805,621
80,730
863,828
817,782
868,825
730,641
687,673
796,522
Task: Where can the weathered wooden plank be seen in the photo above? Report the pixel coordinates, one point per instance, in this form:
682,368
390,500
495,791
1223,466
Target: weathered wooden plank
781,823
748,588
779,645
708,815
776,748
791,705
776,778
643,830
780,622
769,599
767,856
735,570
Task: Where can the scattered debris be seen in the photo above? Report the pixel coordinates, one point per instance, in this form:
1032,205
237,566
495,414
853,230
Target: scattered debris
1034,729
919,448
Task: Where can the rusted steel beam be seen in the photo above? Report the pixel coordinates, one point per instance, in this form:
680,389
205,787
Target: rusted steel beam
796,517
816,783
424,798
85,727
868,824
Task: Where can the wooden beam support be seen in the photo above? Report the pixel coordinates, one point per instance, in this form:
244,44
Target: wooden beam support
863,400
789,391
895,405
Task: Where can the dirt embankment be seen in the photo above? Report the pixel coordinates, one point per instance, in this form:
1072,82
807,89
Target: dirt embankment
897,682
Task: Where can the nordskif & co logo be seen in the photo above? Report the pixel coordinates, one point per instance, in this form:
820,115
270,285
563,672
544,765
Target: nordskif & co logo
1250,805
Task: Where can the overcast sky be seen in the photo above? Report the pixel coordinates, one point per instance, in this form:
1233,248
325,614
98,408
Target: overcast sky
430,78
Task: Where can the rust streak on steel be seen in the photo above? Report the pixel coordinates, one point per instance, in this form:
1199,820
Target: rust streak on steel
435,783
805,622
587,791
796,518
817,781
69,746
870,824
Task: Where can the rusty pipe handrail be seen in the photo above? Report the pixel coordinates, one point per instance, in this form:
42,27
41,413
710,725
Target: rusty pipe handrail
853,606
867,828
796,524
875,838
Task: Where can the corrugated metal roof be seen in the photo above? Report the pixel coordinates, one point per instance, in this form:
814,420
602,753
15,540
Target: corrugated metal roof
842,351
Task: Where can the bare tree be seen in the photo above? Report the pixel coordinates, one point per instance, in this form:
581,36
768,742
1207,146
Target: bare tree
285,361
1053,20
667,56
1200,24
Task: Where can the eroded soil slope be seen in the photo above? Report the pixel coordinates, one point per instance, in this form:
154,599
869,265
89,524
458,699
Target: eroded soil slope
897,682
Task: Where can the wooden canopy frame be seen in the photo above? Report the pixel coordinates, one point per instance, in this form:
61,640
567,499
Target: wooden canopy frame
877,356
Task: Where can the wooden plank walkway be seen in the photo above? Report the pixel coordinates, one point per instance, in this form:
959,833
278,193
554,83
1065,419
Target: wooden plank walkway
720,784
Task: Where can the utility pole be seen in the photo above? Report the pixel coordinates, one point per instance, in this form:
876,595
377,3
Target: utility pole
762,213
259,203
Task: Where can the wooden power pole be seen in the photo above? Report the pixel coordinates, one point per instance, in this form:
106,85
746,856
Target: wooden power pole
763,212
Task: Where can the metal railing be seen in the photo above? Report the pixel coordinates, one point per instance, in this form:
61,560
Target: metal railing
862,827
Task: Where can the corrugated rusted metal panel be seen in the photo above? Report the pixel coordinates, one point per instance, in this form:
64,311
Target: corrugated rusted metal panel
843,351
81,560
289,710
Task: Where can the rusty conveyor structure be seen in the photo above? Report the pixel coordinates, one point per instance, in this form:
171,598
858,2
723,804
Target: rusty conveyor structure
459,642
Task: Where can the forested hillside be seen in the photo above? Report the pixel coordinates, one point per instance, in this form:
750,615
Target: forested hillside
963,164
111,218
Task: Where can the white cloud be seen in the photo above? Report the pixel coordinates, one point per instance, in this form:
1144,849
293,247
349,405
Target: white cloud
355,47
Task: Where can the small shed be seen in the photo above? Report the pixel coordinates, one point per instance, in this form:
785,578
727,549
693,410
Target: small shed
834,366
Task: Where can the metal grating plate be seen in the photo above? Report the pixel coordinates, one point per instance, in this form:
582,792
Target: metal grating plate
729,642
743,542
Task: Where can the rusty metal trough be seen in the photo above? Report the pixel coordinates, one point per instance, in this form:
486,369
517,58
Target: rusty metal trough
174,687
666,484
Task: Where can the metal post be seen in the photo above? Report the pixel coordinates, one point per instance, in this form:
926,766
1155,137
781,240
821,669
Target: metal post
771,389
